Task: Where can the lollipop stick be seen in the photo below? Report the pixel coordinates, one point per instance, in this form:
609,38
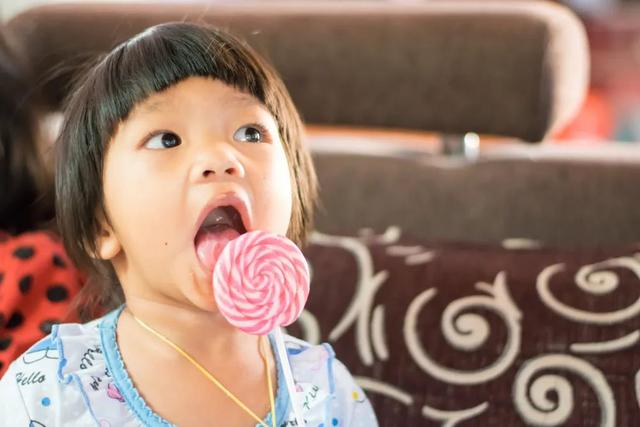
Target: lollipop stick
288,376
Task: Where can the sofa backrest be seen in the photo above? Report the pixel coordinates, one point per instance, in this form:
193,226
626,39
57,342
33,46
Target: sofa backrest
556,195
515,68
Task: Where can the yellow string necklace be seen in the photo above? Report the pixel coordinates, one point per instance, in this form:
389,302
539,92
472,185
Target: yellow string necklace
215,381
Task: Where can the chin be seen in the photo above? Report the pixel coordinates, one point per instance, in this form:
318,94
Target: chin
200,291
208,305
202,301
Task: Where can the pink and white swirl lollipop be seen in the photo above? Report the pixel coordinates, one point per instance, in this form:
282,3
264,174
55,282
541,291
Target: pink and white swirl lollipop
261,282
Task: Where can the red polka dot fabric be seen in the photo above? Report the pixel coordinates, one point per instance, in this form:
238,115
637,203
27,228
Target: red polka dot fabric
37,286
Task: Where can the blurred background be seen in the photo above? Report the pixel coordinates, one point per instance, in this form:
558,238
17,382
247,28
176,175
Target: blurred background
611,111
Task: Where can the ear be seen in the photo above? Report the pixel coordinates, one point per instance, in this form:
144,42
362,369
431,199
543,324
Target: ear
107,243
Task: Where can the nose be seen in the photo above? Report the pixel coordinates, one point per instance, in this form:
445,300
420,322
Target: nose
218,163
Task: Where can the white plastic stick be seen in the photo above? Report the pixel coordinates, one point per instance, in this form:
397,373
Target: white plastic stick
288,376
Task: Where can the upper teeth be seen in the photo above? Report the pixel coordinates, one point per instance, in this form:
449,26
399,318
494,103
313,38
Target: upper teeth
218,216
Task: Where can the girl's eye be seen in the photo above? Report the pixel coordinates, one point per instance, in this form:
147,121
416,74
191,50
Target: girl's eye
163,140
250,133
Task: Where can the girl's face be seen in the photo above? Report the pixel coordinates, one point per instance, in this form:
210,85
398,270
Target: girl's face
178,158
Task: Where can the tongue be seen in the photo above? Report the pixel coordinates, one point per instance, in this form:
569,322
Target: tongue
210,243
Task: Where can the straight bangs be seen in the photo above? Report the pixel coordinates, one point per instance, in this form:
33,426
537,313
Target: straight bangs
162,56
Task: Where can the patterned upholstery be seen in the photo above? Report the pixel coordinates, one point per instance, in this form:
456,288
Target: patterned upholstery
444,334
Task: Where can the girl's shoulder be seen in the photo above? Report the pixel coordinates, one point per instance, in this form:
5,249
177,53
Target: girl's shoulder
56,358
63,380
57,351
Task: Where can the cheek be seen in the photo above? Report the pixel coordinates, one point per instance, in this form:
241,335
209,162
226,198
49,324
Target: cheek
139,207
277,196
285,198
285,186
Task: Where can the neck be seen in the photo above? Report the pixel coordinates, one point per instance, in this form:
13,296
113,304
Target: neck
205,342
198,331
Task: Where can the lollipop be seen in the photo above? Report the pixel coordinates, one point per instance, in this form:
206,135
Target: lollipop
260,283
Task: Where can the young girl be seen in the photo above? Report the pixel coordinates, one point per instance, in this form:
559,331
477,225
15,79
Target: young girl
37,280
176,142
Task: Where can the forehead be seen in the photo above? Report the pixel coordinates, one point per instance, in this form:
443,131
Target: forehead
192,88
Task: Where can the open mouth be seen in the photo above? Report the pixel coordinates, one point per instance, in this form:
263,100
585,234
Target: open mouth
219,227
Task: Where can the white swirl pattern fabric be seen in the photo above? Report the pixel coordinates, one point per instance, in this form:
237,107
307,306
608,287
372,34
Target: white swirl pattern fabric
447,334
